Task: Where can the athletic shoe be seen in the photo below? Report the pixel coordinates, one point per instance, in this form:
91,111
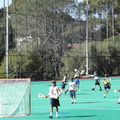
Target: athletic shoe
57,116
93,89
100,90
104,96
72,102
118,102
66,91
50,117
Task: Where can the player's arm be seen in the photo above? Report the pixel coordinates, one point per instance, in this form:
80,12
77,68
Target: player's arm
46,96
75,84
91,75
41,95
103,81
82,71
63,80
67,89
59,91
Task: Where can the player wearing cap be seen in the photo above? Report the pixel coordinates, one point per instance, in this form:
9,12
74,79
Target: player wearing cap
77,73
97,81
77,82
72,90
107,85
77,77
64,81
54,93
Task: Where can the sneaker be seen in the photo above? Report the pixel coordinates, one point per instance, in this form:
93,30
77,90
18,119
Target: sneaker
118,102
65,92
57,116
100,90
78,89
72,102
93,89
104,96
50,117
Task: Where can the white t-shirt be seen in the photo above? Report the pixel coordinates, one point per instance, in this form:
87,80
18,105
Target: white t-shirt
77,74
71,85
96,78
53,92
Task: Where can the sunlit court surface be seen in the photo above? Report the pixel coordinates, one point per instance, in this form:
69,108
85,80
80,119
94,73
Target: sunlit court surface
90,105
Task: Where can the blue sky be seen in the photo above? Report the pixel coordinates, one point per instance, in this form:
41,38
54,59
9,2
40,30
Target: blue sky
2,3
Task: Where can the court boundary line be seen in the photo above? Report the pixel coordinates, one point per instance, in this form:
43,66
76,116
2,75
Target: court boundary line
79,108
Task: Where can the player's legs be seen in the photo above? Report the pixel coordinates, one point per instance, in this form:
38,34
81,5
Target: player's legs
105,90
72,97
57,111
94,87
51,107
118,101
63,87
78,87
54,103
66,90
100,87
51,111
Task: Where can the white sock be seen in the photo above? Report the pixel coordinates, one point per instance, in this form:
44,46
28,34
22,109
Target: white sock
56,113
50,113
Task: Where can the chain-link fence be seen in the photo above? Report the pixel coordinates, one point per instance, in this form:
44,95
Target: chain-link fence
48,38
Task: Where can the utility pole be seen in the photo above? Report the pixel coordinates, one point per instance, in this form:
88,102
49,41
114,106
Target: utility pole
86,37
7,39
107,22
113,29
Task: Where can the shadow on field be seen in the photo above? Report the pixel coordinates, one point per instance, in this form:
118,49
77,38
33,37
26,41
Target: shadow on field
80,116
87,102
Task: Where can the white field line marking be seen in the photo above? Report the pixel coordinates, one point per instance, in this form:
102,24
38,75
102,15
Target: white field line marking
78,108
84,100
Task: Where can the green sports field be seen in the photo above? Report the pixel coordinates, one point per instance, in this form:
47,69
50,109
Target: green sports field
91,105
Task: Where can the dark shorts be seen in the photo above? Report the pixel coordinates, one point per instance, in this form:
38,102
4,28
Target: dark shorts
106,87
63,85
97,83
72,93
54,102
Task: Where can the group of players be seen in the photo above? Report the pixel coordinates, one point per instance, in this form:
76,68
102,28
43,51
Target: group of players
73,86
106,82
55,92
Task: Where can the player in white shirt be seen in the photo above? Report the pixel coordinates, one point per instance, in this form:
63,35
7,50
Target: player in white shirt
72,90
64,81
54,93
97,81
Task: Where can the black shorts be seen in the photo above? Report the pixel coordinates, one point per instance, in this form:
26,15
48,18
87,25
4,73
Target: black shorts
97,83
63,85
106,86
54,102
